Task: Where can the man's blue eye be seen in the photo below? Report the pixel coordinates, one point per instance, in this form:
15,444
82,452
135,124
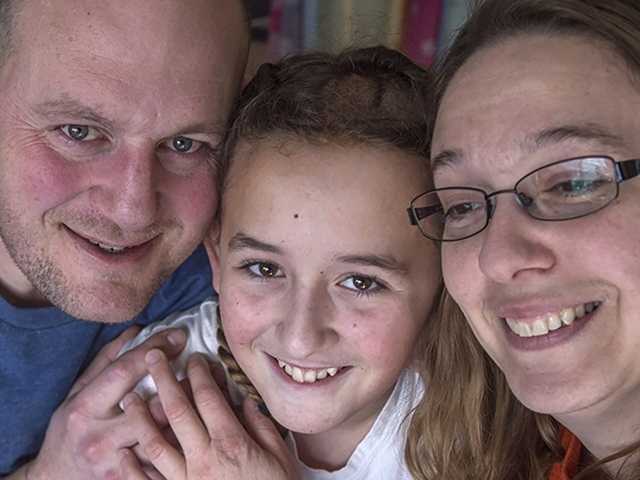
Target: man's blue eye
185,145
80,132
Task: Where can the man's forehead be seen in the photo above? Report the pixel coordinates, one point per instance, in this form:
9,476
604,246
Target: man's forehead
153,24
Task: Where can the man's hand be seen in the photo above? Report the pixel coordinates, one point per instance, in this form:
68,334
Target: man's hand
214,444
88,431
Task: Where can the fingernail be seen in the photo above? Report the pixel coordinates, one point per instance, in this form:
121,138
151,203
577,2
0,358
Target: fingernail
177,338
128,399
153,356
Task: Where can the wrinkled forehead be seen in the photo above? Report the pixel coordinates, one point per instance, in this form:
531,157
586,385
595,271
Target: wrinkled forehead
167,63
136,32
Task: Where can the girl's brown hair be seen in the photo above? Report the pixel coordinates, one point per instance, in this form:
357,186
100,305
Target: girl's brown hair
374,96
470,425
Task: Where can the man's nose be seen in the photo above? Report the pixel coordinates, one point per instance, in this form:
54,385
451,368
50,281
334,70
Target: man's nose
129,188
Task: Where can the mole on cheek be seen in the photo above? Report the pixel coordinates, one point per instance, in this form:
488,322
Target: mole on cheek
295,215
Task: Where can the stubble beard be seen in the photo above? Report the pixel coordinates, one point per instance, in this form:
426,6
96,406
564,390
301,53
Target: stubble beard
53,285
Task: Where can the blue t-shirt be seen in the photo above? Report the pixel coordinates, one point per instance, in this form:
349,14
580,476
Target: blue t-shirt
42,351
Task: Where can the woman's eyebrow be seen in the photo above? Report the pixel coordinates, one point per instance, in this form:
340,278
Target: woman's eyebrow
446,158
590,132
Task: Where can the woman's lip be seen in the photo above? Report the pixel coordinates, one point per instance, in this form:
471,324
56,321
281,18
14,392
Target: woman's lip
551,339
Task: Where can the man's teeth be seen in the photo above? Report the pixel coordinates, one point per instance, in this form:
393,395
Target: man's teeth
551,321
109,248
307,375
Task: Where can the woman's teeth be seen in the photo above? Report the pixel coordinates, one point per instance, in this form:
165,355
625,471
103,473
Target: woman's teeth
307,375
551,321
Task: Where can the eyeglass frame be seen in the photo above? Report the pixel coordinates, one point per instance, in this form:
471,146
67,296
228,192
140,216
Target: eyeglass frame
623,170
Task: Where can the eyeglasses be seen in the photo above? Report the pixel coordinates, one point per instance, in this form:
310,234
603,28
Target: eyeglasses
561,190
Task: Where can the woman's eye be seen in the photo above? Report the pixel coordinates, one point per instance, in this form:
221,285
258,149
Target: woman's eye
181,144
265,270
80,133
361,284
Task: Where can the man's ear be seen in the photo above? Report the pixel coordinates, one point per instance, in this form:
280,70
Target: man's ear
212,245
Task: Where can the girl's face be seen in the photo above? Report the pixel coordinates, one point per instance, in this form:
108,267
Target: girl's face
324,286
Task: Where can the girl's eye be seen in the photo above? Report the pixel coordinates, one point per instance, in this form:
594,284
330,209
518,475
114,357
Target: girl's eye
181,144
361,284
264,270
80,133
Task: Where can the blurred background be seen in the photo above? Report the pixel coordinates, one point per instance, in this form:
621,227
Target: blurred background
419,28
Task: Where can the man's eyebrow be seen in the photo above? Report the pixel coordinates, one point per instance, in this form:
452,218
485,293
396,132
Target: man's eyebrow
71,108
241,241
386,262
446,158
587,132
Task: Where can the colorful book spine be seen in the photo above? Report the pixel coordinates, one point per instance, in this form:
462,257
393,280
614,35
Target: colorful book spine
420,41
333,25
285,28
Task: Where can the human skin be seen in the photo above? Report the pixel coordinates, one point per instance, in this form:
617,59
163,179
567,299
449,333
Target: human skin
318,267
129,78
488,134
138,78
214,443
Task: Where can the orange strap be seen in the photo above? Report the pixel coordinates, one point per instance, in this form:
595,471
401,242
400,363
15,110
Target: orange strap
566,469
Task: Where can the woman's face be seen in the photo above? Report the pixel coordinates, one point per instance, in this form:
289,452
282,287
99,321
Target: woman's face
513,107
324,286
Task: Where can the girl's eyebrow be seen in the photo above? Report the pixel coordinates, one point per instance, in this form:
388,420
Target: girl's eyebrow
241,241
386,262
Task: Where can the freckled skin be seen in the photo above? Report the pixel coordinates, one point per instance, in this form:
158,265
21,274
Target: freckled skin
500,96
311,314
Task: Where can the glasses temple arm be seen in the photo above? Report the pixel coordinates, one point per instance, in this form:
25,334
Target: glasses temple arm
627,169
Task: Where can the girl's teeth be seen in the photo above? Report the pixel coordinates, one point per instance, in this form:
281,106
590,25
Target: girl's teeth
555,322
551,321
539,328
307,375
568,315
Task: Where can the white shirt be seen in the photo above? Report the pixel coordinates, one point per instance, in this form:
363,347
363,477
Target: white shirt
380,455
200,323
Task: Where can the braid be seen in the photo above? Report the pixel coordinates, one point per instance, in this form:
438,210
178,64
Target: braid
235,372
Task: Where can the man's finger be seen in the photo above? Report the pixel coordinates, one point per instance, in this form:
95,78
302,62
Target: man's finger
181,414
130,468
104,358
156,449
101,396
266,434
216,413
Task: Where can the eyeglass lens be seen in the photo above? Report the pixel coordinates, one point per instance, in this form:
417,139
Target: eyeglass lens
559,191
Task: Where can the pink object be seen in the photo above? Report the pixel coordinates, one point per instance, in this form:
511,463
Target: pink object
420,38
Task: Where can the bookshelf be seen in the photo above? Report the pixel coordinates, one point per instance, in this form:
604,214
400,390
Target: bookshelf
420,28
